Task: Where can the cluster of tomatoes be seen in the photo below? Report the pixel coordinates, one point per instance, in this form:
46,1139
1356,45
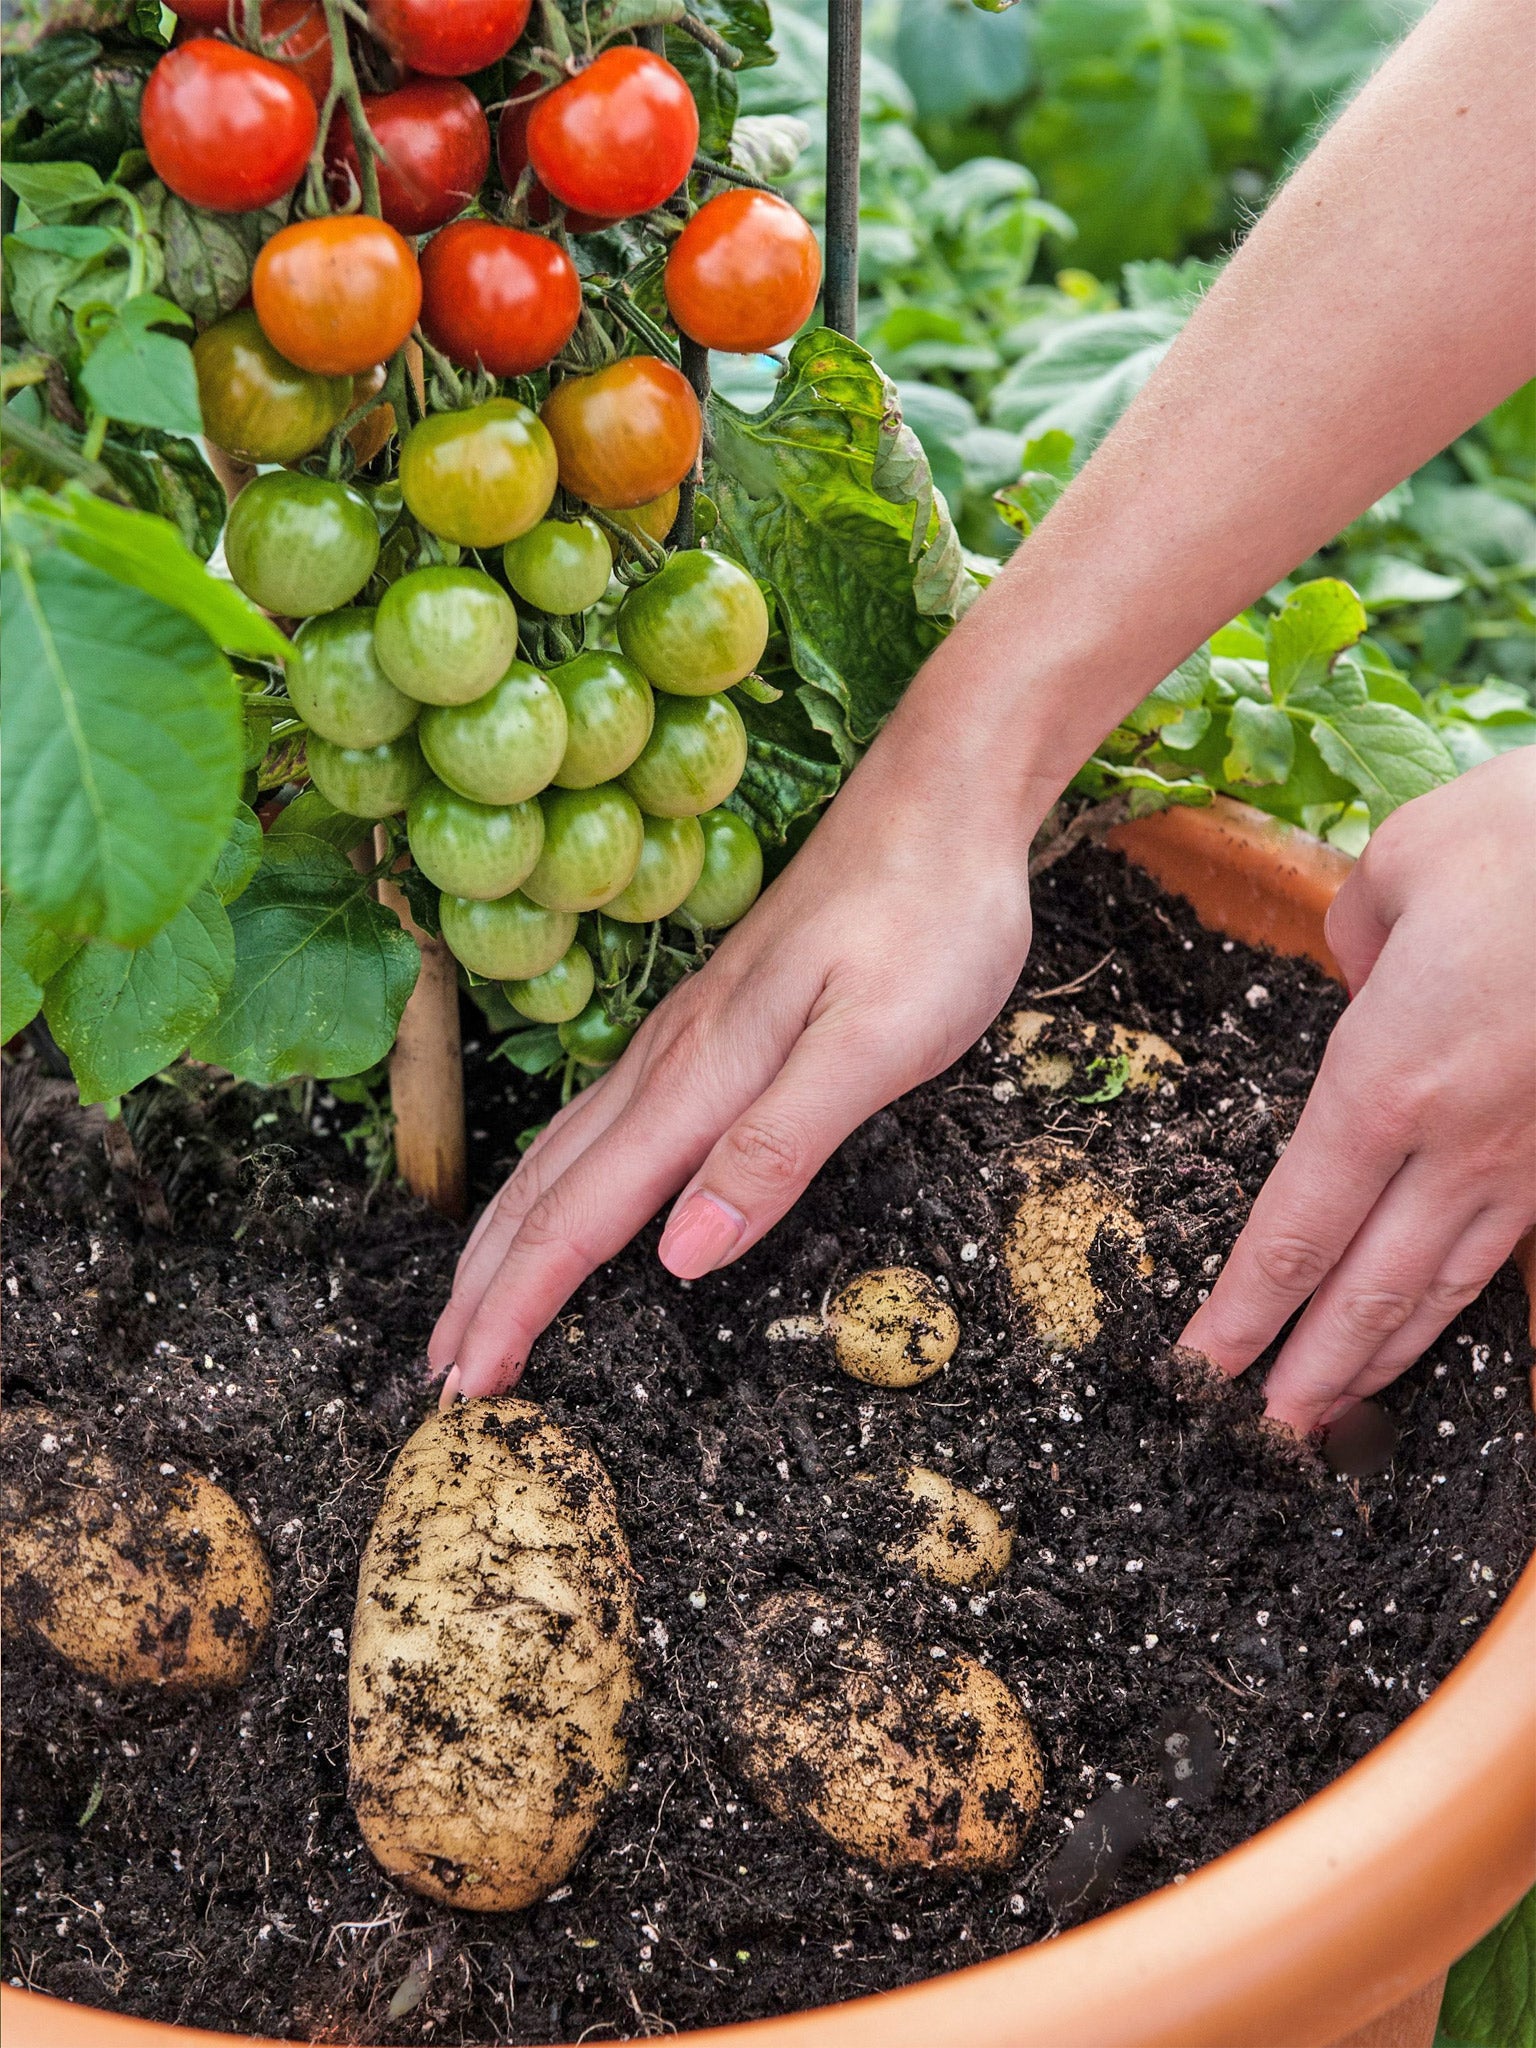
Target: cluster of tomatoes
532,799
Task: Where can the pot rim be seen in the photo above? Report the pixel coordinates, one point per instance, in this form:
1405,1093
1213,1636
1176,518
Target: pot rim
1311,1928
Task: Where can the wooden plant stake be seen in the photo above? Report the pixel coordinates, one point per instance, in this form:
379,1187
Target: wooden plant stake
426,1073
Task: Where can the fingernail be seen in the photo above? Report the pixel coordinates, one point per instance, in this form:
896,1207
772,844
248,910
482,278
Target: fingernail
701,1234
450,1390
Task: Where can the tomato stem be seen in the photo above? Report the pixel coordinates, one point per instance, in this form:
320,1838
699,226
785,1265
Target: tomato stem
344,90
724,53
706,166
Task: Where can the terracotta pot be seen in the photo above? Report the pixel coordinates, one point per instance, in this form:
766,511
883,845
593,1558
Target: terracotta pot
1331,1929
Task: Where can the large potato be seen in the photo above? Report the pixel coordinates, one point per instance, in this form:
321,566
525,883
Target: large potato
1149,1060
908,1762
491,1658
957,1538
1064,1208
135,1580
892,1327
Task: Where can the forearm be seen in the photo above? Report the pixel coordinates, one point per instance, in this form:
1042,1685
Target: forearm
1385,302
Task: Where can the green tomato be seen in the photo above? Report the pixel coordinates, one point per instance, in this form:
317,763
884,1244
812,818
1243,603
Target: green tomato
505,746
336,685
479,477
592,842
593,1038
445,635
671,861
698,626
255,403
732,876
559,993
561,565
297,545
609,712
470,849
509,939
367,782
692,760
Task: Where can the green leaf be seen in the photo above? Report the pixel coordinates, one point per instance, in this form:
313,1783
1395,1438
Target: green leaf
71,98
123,745
714,89
1261,743
768,146
122,1016
535,1051
1386,580
141,377
312,815
166,473
322,972
137,548
209,256
827,497
956,59
44,264
1387,753
1307,635
239,857
53,190
1490,1995
30,956
791,771
1084,373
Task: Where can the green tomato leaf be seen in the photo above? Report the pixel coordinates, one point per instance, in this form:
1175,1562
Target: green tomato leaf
311,814
165,473
1385,752
768,146
123,744
54,190
1490,1995
122,1016
532,1051
143,378
43,264
30,956
322,972
1308,634
71,98
209,256
714,89
239,857
1261,744
791,771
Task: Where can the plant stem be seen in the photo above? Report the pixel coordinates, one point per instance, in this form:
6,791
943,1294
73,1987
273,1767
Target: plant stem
73,462
344,89
708,167
617,301
723,52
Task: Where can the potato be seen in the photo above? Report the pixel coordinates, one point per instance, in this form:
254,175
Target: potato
891,1327
1149,1059
134,1580
1064,1209
906,1762
958,1540
491,1658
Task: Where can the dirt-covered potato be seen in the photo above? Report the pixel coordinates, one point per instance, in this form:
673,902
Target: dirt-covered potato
956,1537
134,1579
491,1658
891,1327
1064,1209
905,1760
1094,1055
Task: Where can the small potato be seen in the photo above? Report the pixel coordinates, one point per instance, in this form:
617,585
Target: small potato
892,1327
1046,1253
1149,1059
910,1763
959,1539
491,1658
134,1580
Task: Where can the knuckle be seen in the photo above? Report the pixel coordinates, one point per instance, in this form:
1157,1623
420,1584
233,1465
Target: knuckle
1370,1315
764,1154
1447,1294
1292,1265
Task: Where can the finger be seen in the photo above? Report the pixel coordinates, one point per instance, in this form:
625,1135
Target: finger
1466,1270
762,1165
1373,1292
1347,1146
1354,927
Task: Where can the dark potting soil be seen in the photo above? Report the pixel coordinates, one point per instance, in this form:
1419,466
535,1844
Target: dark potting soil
1174,1570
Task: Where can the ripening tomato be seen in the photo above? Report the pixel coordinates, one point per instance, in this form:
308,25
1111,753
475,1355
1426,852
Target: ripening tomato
298,545
508,939
255,403
732,875
625,434
592,844
437,150
224,129
655,520
336,685
560,565
503,748
512,158
498,297
479,477
448,38
337,294
698,626
558,994
367,782
618,138
295,31
692,760
744,274
671,861
593,1039
205,13
469,849
445,635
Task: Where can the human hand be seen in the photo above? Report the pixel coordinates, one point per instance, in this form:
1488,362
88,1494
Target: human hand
884,950
1412,1171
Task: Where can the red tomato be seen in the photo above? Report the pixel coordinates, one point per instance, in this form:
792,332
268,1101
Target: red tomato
224,129
625,434
295,29
205,13
437,150
512,156
448,38
336,294
744,274
618,138
497,296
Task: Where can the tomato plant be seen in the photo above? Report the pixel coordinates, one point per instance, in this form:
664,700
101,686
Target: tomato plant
368,782
470,849
618,138
731,877
509,938
225,129
609,712
445,635
256,404
671,862
592,844
626,434
336,685
506,745
560,565
499,298
300,544
512,159
448,38
479,477
744,273
337,294
697,627
693,758
436,149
